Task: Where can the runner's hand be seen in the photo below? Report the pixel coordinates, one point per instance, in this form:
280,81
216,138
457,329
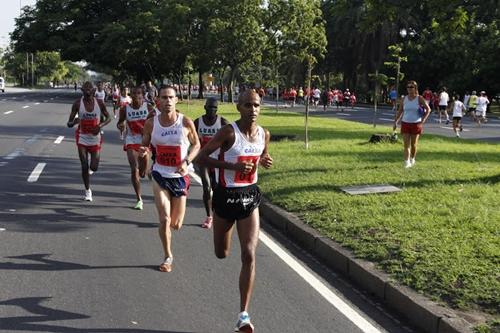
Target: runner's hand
143,151
120,126
244,167
266,161
183,169
96,130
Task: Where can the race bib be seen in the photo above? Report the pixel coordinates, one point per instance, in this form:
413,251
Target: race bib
239,177
136,126
168,155
87,125
205,139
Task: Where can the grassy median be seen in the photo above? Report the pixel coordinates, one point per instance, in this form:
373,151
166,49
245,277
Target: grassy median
440,235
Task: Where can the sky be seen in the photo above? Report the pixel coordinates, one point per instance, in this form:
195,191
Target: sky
10,10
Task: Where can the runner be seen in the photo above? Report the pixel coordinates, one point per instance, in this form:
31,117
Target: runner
427,95
206,127
393,96
444,98
481,107
243,145
471,109
92,116
458,109
124,98
135,115
414,111
171,134
151,93
100,94
116,99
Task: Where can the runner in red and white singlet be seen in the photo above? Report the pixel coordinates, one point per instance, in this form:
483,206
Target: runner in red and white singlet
207,126
133,116
171,134
243,146
92,116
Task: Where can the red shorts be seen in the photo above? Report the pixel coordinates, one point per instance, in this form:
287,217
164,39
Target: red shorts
134,146
411,128
90,149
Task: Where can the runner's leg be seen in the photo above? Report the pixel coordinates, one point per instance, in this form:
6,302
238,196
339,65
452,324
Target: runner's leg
133,157
248,233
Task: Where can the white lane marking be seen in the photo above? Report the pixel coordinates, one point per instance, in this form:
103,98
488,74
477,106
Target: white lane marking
14,97
17,152
343,114
320,287
314,282
37,103
8,112
37,171
386,119
26,106
2,229
59,139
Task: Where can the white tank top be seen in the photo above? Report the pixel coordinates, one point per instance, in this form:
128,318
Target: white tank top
100,95
242,150
206,133
88,120
171,145
135,123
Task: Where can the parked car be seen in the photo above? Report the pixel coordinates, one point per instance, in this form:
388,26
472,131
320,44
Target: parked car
2,84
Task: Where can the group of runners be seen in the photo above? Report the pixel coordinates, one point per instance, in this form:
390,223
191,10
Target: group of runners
472,105
162,142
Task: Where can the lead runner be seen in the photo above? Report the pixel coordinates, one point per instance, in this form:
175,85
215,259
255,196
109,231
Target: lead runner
243,146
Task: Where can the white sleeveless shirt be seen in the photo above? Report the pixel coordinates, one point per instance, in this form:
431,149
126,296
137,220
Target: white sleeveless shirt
242,150
206,133
88,120
171,145
136,118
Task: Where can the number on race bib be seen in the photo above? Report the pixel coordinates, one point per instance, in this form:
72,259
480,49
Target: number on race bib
240,177
168,155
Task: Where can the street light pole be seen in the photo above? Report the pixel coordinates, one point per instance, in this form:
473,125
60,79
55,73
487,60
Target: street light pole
32,72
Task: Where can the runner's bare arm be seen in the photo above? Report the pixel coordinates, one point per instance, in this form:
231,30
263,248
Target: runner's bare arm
224,139
104,112
146,138
265,159
195,145
427,108
121,120
74,111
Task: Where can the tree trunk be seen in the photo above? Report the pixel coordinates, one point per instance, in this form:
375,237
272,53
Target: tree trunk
230,85
180,85
309,70
200,85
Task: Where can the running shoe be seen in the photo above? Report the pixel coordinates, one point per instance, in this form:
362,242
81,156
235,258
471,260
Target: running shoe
91,172
166,265
138,205
447,121
412,162
88,195
407,164
207,223
461,128
244,324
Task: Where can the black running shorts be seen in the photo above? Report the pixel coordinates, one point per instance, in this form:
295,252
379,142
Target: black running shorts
236,203
176,186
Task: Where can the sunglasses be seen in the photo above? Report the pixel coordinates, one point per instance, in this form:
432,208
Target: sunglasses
410,87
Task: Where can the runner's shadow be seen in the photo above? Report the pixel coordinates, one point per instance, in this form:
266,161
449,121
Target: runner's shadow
43,313
45,264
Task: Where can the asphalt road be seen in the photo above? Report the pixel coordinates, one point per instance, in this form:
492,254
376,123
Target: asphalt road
72,266
489,131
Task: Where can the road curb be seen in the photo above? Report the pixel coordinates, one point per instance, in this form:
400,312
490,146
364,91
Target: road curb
416,308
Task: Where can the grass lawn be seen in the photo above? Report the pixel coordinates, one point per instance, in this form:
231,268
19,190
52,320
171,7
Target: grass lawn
440,235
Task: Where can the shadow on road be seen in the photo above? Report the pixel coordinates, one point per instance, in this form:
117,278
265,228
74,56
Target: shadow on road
43,313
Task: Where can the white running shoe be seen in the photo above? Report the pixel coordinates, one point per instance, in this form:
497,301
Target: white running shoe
91,172
407,164
244,324
88,195
412,162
